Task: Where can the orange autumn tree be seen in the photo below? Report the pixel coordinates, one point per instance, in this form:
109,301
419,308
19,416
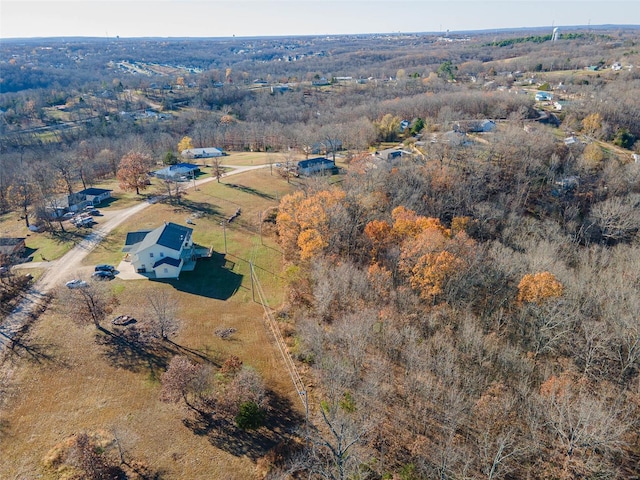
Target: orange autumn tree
379,233
431,270
408,224
429,253
538,287
132,171
303,222
311,243
287,226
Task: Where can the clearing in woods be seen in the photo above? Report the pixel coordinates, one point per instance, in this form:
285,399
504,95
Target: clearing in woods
68,379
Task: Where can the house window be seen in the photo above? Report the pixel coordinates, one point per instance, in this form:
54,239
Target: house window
161,254
166,270
151,255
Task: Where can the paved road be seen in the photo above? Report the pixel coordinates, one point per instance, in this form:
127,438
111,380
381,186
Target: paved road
63,269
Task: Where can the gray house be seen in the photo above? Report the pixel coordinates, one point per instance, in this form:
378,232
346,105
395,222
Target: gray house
316,165
95,196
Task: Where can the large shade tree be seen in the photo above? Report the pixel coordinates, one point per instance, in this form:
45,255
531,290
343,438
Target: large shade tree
132,171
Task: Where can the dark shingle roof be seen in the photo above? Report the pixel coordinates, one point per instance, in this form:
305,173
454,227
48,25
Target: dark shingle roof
314,161
176,170
169,261
133,239
170,235
94,191
173,236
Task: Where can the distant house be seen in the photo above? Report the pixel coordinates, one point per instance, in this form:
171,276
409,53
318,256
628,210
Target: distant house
391,154
11,247
177,172
316,165
95,196
280,88
205,152
320,82
476,126
58,205
543,96
455,138
330,145
163,252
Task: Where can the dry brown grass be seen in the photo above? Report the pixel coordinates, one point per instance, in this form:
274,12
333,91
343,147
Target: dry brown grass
68,379
67,383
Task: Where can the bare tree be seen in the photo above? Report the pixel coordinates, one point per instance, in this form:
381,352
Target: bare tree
94,464
216,168
189,382
333,453
163,306
246,386
617,218
89,304
588,426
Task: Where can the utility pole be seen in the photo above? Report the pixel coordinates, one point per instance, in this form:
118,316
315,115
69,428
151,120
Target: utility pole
224,234
253,295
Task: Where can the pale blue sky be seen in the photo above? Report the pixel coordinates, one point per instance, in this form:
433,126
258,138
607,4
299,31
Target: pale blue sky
223,18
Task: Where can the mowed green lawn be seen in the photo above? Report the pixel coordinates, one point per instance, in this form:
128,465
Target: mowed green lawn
73,378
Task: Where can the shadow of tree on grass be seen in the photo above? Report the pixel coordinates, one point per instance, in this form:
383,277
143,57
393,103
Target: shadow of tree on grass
39,353
251,191
281,423
124,352
124,349
189,206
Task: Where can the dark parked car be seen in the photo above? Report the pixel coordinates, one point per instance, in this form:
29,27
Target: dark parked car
103,275
105,268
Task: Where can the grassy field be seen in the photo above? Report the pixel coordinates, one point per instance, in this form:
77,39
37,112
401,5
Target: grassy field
40,246
73,378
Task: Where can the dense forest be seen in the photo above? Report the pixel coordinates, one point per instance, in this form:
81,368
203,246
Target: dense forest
468,310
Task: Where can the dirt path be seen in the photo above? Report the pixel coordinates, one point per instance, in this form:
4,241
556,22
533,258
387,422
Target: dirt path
65,267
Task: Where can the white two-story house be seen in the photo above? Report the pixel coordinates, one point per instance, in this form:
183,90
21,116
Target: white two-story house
164,251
